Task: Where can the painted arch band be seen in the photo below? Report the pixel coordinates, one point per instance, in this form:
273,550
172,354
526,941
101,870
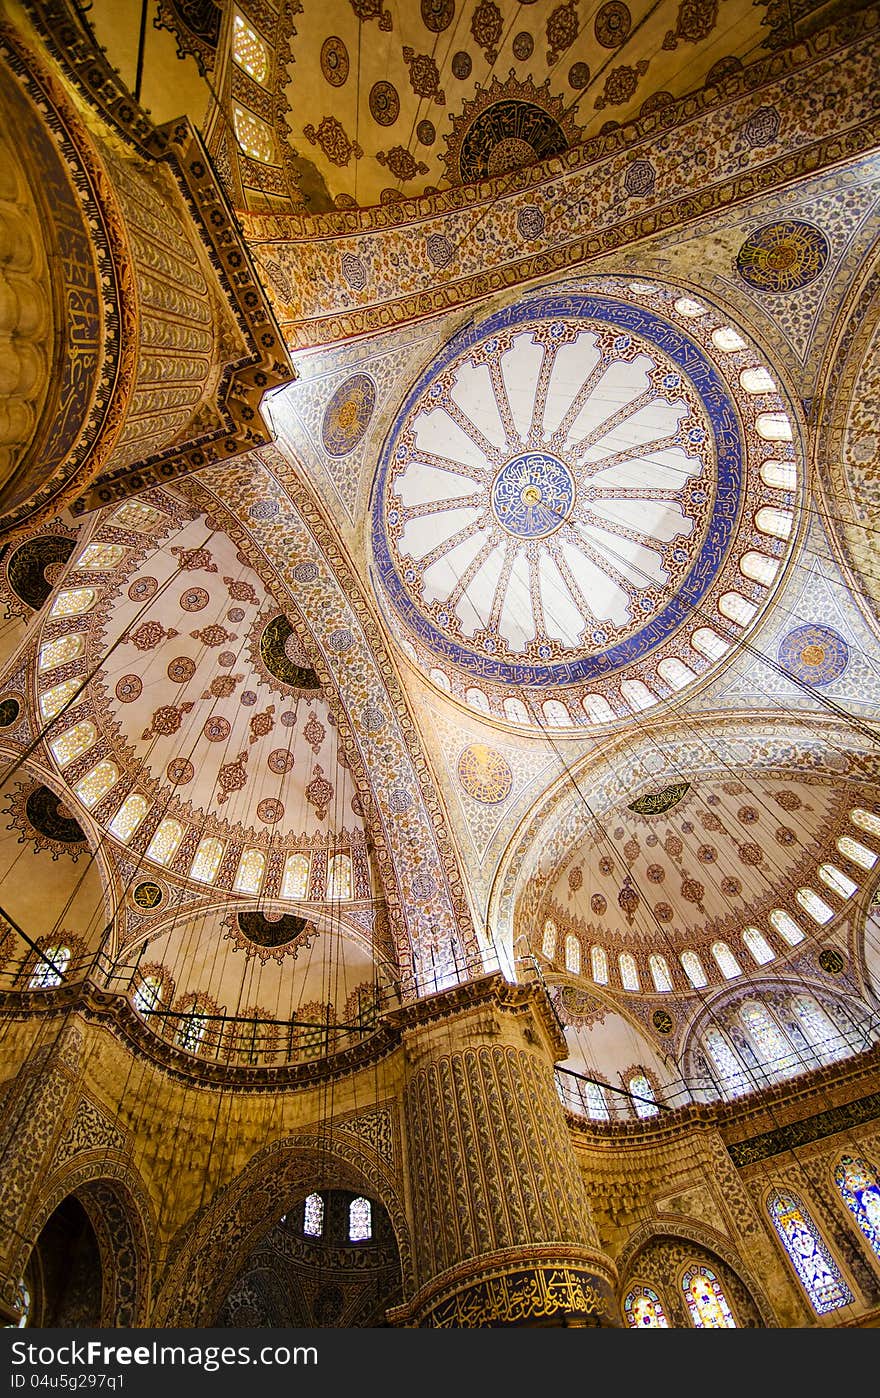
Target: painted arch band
559,492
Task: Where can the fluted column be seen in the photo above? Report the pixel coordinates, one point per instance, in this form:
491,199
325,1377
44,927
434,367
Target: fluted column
501,1218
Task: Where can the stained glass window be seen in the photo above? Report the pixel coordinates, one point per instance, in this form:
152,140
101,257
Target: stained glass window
548,946
597,1107
818,1028
147,995
360,1221
73,601
771,1045
675,672
254,136
191,1030
815,906
759,567
859,1187
865,820
53,701
834,879
709,643
76,740
250,871
643,1099
62,651
733,1078
599,965
572,954
643,1309
757,381
313,1216
249,50
129,816
97,783
207,861
163,845
786,926
706,1301
693,969
781,475
758,946
49,971
659,972
817,1271
735,607
727,340
339,876
629,971
853,849
101,557
726,961
295,883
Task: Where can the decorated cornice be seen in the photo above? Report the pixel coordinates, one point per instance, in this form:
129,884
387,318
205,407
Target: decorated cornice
361,261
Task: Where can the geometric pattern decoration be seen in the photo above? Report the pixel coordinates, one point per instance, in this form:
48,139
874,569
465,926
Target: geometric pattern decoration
813,654
817,1271
782,256
347,415
484,774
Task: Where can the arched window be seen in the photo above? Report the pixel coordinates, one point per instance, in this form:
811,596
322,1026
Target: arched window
313,1216
857,852
709,643
555,713
163,846
97,783
675,672
441,679
643,1099
101,557
596,706
727,340
773,427
548,945
249,875
817,1271
815,906
54,699
732,1076
599,965
818,1029
866,820
516,711
129,816
859,1187
786,927
62,651
659,972
735,607
775,522
249,50
759,567
73,601
726,961
295,883
687,306
207,860
49,971
693,969
637,695
643,1309
253,135
773,1048
360,1221
758,946
572,954
706,1301
191,1027
477,699
148,995
757,381
339,876
780,475
629,971
837,881
597,1106
75,741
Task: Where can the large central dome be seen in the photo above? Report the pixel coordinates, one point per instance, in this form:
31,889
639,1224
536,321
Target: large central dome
565,485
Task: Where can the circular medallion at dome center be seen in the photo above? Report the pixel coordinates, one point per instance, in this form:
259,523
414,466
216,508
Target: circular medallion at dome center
532,495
